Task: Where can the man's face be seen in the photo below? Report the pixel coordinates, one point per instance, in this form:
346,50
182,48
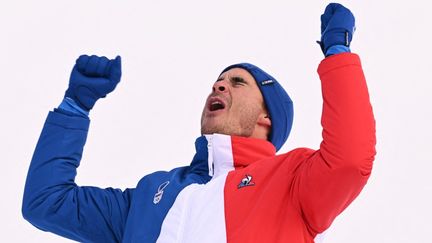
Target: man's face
235,106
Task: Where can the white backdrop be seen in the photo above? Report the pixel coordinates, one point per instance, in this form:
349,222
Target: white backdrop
172,53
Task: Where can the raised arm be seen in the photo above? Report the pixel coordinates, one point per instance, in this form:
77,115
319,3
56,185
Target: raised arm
52,201
331,178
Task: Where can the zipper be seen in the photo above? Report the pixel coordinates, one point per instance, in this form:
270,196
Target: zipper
210,154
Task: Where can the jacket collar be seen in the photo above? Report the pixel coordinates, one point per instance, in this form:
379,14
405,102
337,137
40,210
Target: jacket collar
217,154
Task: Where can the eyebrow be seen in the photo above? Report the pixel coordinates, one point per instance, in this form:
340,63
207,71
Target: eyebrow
238,79
235,79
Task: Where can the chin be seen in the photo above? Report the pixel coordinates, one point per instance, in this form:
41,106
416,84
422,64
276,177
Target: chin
208,131
211,130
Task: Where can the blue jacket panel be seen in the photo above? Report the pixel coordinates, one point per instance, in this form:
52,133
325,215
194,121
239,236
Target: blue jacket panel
54,202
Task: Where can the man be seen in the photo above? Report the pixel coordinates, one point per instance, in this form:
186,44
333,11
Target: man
235,189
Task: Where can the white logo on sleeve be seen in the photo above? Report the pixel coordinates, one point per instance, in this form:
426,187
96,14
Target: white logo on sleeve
158,196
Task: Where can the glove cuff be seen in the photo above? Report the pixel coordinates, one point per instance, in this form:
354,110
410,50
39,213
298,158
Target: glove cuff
336,50
70,105
335,37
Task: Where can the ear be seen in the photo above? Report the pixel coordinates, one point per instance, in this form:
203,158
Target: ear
264,120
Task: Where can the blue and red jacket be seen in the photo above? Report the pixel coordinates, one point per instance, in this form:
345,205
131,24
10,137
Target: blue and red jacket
235,189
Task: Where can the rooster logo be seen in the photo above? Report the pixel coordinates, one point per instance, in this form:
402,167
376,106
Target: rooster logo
246,181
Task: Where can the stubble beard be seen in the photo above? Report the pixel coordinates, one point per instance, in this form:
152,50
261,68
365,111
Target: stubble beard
244,126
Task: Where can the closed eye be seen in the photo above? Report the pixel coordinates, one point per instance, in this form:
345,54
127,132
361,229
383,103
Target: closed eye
238,81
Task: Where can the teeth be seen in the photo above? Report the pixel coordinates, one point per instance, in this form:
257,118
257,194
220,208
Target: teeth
216,105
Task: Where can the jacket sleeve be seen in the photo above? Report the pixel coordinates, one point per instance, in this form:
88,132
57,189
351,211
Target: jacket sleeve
53,202
333,176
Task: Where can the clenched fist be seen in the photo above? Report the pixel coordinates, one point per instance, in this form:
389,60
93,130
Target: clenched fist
92,78
337,26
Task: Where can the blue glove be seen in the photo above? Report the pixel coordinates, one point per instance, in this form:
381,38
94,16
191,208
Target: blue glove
337,27
92,78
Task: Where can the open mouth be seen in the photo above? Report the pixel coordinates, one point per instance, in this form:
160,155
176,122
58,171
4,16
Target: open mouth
216,104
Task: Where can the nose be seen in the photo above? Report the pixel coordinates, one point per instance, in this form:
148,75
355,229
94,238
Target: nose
219,86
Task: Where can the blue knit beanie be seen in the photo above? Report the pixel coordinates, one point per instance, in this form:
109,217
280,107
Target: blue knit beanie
277,101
